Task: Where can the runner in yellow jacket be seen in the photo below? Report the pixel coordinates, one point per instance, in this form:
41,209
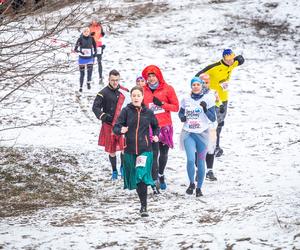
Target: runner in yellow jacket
219,74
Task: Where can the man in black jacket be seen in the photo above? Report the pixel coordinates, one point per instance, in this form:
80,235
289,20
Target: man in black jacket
107,107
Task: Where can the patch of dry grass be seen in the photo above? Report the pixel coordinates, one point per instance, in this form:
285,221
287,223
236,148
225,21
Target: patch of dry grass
262,26
32,181
136,11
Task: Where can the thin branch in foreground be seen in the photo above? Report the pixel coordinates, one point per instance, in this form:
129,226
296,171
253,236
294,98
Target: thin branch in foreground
31,124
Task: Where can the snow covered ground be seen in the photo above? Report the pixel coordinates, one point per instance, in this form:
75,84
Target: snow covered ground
255,204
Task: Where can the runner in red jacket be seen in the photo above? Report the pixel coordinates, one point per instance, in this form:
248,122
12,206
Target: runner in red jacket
161,98
97,33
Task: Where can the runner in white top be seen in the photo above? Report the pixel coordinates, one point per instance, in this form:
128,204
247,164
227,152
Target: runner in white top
196,111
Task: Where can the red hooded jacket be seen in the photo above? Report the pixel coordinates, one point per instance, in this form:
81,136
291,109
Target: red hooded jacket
164,93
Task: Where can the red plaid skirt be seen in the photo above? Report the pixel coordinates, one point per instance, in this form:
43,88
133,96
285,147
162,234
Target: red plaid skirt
111,142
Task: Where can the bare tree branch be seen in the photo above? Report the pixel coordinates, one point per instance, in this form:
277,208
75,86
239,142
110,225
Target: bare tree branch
24,83
31,124
33,45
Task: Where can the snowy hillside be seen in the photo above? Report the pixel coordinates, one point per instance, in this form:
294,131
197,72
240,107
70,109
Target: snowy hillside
255,204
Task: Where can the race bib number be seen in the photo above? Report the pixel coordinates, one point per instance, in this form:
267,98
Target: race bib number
224,86
86,52
99,50
194,124
141,161
156,109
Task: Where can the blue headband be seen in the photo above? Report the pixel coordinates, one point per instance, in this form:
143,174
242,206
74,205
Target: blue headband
197,79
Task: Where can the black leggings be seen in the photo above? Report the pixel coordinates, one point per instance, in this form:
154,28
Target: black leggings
209,160
99,59
82,72
159,163
219,129
142,193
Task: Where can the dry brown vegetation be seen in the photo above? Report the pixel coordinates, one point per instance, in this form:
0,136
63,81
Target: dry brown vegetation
29,181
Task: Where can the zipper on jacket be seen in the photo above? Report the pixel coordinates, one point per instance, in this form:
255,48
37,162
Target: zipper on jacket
136,132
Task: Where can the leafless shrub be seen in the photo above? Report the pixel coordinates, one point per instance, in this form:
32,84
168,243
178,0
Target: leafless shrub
17,7
31,48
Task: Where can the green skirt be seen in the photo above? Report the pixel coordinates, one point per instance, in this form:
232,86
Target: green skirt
138,168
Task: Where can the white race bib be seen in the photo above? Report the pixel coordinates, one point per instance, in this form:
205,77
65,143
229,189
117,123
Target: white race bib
196,120
86,52
156,109
141,161
224,86
99,50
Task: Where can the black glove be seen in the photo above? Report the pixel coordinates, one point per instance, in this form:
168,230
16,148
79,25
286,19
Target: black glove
157,102
204,106
183,118
222,109
107,118
240,59
92,33
78,51
103,46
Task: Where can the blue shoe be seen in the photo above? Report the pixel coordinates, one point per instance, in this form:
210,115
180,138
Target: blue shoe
122,171
162,183
114,175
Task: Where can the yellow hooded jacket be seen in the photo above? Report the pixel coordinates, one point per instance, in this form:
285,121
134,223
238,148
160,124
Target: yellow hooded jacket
220,72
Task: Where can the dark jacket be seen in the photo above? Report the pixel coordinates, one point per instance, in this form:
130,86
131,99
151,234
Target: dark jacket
105,103
138,121
85,42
